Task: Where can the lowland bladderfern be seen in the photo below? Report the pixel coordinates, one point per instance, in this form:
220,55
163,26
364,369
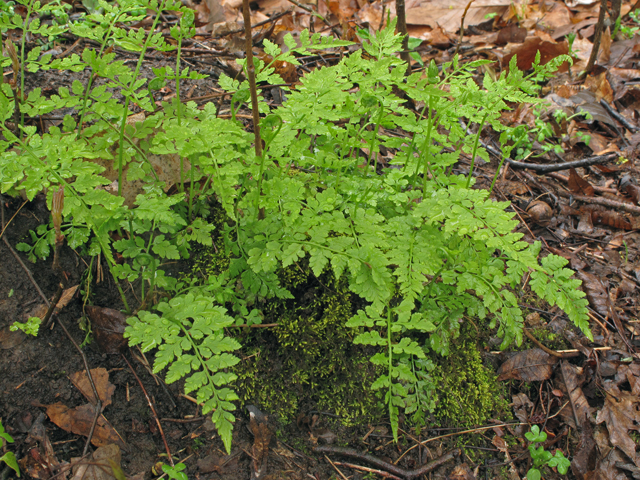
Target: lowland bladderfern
418,245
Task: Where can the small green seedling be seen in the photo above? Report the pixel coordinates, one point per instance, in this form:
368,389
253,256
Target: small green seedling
176,473
541,457
9,458
30,327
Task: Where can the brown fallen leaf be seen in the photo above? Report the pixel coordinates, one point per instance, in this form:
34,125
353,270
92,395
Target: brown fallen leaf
579,185
462,472
570,384
108,325
609,218
79,420
596,292
100,466
585,458
262,433
530,366
100,378
527,51
621,415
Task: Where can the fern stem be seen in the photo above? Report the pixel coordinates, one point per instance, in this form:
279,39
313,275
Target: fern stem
475,148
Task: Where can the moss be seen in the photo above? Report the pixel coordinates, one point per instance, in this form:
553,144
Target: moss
468,391
309,360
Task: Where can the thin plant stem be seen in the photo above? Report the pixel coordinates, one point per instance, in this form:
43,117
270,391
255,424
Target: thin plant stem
251,76
134,78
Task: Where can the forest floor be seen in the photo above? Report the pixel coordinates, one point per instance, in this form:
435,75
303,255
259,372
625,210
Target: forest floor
588,214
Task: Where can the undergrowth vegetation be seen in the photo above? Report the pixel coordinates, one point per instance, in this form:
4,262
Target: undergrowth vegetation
416,245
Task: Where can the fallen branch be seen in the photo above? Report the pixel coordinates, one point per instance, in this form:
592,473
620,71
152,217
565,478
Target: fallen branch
585,162
606,202
394,469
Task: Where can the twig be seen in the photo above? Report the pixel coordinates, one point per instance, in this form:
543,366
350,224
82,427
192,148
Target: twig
153,411
547,349
612,111
98,404
389,467
277,16
473,430
585,162
13,252
596,40
606,202
464,14
370,470
4,227
336,468
311,11
48,317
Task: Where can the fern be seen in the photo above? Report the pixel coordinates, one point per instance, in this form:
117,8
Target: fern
191,344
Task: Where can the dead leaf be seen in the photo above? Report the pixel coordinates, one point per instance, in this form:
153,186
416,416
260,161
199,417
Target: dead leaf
570,383
462,472
522,407
548,48
100,378
448,14
108,325
79,420
9,339
621,415
609,218
585,458
579,185
100,466
529,366
262,433
596,292
511,34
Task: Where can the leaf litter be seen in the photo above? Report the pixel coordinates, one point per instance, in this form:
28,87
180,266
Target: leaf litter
599,238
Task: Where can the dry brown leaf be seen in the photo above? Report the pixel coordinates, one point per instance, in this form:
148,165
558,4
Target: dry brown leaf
462,472
511,34
262,433
604,54
579,185
447,14
610,219
548,48
585,458
599,84
100,378
79,420
578,405
100,466
596,292
529,366
108,325
621,415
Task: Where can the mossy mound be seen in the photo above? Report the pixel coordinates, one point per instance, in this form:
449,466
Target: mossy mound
469,393
309,361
